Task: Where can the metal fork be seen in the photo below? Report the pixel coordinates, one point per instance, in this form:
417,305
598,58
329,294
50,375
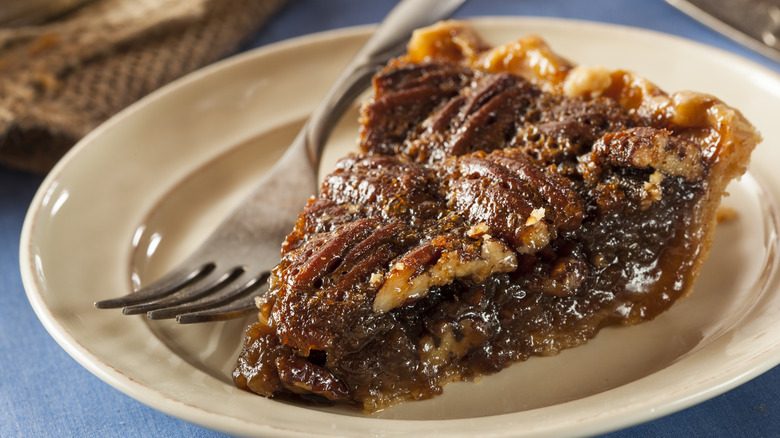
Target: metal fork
221,279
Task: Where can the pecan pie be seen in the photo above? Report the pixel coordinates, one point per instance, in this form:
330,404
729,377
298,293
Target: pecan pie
505,203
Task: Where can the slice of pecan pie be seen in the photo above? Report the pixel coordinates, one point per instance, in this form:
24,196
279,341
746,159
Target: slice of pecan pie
505,203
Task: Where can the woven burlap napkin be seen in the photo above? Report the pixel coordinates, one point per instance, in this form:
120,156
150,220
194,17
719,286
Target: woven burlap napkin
59,80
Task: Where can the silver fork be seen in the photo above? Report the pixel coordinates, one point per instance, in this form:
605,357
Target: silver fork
221,279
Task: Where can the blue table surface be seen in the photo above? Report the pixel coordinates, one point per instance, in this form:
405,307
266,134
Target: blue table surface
44,392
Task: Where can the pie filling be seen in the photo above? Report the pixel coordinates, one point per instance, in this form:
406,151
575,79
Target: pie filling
505,203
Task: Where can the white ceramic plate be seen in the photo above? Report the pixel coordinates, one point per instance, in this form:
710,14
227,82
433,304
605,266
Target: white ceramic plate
141,191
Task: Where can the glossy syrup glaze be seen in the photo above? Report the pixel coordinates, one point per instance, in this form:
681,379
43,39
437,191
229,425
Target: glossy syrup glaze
488,218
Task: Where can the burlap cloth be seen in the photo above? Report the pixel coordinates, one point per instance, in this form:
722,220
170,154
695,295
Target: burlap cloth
61,79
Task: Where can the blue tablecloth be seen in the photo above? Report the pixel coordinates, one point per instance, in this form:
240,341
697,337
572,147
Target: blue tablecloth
44,392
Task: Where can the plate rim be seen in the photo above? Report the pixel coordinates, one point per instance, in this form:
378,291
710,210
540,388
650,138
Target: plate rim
180,409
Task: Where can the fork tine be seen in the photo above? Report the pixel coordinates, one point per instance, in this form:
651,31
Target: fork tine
168,284
234,309
208,284
231,292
